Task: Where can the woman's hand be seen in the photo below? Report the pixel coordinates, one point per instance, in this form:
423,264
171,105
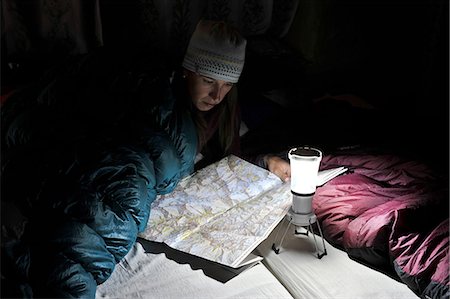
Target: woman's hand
279,167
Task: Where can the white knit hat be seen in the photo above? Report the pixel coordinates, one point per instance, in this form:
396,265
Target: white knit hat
216,51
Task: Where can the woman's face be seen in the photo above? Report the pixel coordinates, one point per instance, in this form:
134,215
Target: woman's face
206,92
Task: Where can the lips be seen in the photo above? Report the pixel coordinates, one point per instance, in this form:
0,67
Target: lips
209,104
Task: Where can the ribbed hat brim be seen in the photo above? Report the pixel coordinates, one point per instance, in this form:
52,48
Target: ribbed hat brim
215,58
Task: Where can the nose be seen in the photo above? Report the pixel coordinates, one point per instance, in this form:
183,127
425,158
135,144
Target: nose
216,93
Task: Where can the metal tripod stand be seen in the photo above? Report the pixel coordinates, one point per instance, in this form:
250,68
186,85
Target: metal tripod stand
306,221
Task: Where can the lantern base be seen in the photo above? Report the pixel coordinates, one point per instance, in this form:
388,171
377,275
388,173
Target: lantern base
302,220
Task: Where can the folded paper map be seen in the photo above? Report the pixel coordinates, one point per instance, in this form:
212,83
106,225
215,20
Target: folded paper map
220,213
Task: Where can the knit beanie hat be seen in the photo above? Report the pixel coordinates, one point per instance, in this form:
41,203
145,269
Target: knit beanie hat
216,50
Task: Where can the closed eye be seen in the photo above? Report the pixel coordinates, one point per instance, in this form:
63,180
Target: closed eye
208,80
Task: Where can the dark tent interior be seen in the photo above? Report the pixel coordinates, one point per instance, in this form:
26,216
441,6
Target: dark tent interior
345,76
392,55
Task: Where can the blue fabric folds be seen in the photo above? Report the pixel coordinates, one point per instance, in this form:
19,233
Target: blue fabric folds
85,191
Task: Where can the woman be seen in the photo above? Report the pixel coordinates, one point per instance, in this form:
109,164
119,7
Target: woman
102,155
207,83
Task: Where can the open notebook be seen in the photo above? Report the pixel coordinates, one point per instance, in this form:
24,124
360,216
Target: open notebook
222,212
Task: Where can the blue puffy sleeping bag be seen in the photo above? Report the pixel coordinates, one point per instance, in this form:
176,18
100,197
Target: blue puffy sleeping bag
84,155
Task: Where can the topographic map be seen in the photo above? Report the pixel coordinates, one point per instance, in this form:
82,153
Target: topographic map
220,213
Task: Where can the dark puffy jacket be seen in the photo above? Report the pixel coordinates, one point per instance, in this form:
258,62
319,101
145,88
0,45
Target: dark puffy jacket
81,164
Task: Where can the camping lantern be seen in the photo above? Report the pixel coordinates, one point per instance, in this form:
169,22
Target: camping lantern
305,162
